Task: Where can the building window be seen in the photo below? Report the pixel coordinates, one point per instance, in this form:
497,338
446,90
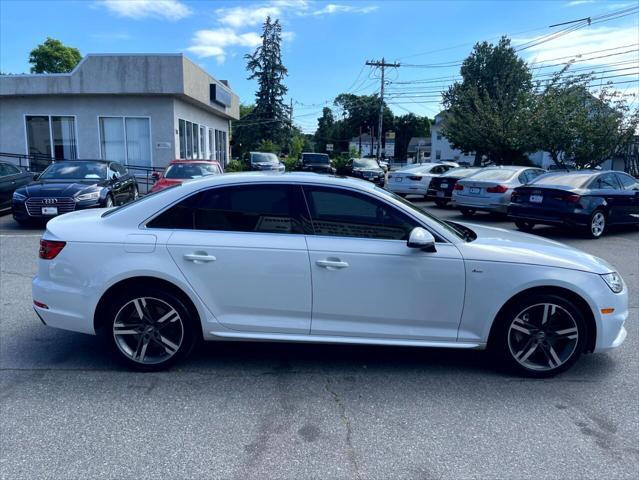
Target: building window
211,145
192,140
126,140
439,136
438,155
51,136
220,146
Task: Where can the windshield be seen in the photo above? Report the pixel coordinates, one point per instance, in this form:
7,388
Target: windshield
190,170
263,158
458,232
495,174
75,171
460,172
315,158
364,163
573,180
140,199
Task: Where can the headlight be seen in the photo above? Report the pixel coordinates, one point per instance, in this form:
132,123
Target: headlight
614,281
18,196
88,196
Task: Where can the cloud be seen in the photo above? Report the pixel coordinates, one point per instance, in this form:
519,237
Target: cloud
234,21
583,41
334,8
212,43
574,3
138,9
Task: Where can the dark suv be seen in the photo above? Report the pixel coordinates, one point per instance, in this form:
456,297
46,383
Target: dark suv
316,162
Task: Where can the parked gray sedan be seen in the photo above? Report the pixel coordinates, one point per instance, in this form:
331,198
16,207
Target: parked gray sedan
489,190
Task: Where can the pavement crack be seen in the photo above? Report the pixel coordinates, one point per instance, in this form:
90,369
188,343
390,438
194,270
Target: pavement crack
352,457
19,274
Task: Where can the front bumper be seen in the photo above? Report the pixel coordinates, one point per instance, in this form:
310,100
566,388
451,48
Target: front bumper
21,213
611,332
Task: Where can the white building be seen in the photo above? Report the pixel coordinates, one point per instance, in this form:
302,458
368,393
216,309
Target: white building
441,149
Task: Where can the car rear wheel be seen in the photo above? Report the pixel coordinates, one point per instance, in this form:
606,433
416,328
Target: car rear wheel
149,329
540,336
524,225
467,212
597,224
109,201
441,203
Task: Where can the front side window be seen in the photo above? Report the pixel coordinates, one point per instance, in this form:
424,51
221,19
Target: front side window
126,140
342,213
52,136
248,208
7,169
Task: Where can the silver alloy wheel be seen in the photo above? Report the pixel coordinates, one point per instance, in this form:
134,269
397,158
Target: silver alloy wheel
136,194
109,202
597,224
543,337
148,330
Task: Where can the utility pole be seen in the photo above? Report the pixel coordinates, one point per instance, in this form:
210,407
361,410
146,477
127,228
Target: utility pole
382,65
290,126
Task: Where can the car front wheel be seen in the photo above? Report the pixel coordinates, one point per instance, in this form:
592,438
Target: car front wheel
540,336
149,329
524,225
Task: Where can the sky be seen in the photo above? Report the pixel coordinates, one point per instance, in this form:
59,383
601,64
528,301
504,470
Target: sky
326,44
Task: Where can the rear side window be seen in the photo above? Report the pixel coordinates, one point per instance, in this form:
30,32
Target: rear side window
248,208
607,181
628,182
342,213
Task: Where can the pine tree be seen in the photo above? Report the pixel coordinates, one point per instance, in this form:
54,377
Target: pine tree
265,65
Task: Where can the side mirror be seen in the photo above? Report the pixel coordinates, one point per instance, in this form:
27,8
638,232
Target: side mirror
36,176
422,239
155,176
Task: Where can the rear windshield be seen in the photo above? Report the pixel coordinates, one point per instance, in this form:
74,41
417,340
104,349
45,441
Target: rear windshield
190,170
573,180
460,172
263,158
495,174
315,158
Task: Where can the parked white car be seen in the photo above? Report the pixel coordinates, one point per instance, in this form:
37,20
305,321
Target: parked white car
414,180
307,258
489,190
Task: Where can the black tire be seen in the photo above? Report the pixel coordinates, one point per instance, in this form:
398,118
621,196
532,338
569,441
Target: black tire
467,212
167,341
441,203
524,225
554,351
597,224
403,195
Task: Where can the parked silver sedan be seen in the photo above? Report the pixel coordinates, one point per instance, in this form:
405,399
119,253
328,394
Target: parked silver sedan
489,190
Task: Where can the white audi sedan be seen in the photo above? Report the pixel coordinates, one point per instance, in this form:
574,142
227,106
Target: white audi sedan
415,180
310,258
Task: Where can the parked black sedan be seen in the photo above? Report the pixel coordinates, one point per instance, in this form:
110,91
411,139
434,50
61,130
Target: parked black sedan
440,188
11,178
367,169
71,185
589,199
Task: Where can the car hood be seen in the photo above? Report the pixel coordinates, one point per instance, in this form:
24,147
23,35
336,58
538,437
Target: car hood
501,245
371,170
56,189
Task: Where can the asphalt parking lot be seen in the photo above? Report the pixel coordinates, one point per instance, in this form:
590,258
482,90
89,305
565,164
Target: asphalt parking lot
246,410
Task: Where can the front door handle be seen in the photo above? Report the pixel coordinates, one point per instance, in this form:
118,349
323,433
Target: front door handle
331,264
199,257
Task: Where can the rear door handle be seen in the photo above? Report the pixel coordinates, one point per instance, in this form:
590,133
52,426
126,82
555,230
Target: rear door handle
331,264
199,257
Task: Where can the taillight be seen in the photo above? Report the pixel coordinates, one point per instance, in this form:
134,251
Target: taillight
49,249
458,186
497,189
415,177
572,198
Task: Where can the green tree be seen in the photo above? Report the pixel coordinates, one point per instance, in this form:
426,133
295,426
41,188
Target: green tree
574,125
265,65
489,110
268,146
53,56
406,127
297,144
325,130
245,135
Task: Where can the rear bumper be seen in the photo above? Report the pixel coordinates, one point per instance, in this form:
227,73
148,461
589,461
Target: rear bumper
546,216
482,204
404,187
65,306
